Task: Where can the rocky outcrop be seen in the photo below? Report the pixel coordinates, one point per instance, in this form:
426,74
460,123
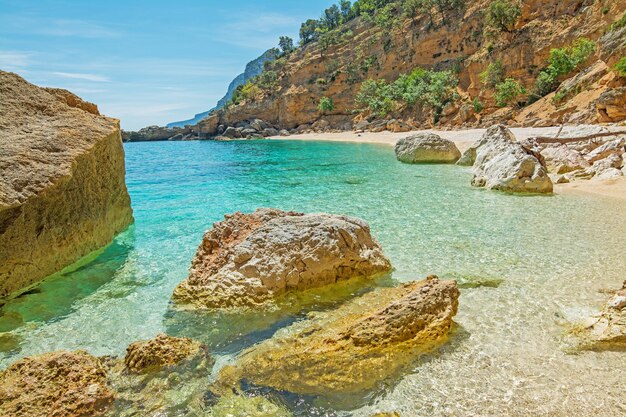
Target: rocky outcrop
607,329
426,148
385,329
362,50
160,352
62,182
249,259
59,384
561,159
505,165
158,133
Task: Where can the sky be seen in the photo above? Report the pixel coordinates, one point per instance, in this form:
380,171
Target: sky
144,62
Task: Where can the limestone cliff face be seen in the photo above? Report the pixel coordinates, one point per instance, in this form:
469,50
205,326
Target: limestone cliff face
457,43
62,181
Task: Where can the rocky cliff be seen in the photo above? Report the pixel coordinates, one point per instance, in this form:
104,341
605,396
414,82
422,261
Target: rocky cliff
253,68
62,181
460,41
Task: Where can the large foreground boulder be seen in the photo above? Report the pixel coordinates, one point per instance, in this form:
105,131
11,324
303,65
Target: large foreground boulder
59,384
426,148
353,348
62,185
248,259
502,164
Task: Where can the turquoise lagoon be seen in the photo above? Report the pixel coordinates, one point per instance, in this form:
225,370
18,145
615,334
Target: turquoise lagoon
508,354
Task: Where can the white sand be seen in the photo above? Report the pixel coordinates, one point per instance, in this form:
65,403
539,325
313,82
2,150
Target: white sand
615,188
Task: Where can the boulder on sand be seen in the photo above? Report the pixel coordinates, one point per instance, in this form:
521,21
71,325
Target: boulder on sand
426,148
248,259
505,165
352,348
58,384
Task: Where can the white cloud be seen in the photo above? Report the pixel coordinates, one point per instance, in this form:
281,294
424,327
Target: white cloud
14,60
82,76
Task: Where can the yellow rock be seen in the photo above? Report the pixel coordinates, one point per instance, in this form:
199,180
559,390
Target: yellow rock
352,348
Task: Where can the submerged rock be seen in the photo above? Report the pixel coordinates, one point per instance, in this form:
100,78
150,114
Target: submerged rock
62,187
426,148
59,384
354,347
504,165
160,352
608,329
248,259
232,405
162,376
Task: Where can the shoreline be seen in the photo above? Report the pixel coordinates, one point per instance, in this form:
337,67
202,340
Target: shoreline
612,188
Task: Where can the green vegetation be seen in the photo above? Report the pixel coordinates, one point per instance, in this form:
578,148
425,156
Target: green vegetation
426,88
563,61
494,74
477,105
326,105
502,15
620,67
618,24
286,45
246,92
508,92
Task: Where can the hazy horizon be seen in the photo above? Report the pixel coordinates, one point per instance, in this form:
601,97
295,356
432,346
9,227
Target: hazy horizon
140,63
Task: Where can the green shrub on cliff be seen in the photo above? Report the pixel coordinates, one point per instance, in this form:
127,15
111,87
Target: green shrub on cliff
494,74
508,92
562,61
426,88
502,15
620,67
326,105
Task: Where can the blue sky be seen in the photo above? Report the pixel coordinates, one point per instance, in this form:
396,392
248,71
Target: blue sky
144,62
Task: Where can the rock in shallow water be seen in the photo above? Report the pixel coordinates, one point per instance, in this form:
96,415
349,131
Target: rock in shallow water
426,148
59,384
162,351
248,259
505,165
354,347
607,329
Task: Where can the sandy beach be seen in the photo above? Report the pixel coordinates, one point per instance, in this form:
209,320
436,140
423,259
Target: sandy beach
614,188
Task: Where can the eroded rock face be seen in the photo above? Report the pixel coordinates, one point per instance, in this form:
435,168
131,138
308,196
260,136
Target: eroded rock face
62,181
160,352
426,148
608,328
248,259
354,347
59,384
504,165
560,159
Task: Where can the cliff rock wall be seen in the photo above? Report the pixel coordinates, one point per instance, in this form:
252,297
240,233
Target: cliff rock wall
457,42
62,181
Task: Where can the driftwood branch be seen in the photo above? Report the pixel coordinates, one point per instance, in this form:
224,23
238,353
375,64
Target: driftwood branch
548,139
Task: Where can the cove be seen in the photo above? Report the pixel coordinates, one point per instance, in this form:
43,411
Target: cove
550,256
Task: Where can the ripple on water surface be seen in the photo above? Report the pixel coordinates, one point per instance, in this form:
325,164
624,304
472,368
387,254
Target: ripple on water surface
543,260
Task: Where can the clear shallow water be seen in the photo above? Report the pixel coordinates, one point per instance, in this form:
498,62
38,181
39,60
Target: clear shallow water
507,355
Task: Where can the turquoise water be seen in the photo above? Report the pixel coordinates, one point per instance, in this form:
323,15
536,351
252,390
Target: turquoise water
507,355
